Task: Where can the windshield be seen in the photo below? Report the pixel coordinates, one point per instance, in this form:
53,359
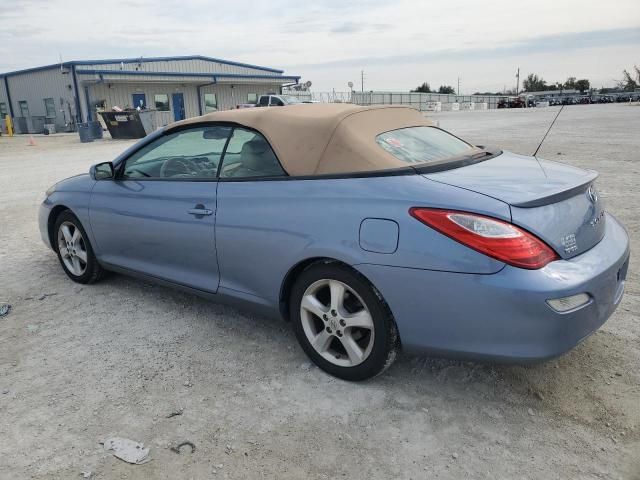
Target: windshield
289,99
422,144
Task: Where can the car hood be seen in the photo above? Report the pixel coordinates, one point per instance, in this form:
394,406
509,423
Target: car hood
78,183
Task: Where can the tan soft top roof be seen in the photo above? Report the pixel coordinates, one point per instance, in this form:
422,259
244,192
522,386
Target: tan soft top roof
315,139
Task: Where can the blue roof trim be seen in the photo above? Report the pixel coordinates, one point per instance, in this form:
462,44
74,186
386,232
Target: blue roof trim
212,76
141,73
248,75
35,69
185,57
143,60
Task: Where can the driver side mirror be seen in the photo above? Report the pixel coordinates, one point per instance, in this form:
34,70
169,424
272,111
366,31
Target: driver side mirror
102,171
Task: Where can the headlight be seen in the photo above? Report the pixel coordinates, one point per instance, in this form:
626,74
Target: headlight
49,191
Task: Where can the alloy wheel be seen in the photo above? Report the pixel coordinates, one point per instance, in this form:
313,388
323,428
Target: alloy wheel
337,322
72,248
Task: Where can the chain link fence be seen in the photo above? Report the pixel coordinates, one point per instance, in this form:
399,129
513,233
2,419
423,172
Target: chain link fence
420,101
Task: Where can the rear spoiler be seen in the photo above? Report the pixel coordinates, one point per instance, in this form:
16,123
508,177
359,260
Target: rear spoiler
561,194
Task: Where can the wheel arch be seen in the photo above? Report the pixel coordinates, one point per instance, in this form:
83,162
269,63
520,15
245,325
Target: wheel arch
295,271
51,223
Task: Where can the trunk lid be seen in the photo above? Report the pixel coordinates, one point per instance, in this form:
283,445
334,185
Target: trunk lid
556,202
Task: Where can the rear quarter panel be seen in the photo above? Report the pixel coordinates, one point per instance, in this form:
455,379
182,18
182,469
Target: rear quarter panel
264,228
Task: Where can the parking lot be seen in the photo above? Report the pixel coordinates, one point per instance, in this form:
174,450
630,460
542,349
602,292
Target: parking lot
80,364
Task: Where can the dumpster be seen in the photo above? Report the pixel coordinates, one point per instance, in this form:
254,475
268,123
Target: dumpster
96,129
85,133
129,124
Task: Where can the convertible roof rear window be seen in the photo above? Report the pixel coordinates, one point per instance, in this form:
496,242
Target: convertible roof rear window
422,144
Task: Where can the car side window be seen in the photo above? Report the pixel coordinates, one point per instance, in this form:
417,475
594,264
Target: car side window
249,155
264,101
276,102
192,154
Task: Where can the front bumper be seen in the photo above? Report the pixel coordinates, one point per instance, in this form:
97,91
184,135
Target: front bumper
43,222
504,316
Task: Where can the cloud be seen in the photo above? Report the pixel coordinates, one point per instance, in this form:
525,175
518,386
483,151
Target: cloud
399,42
357,27
551,43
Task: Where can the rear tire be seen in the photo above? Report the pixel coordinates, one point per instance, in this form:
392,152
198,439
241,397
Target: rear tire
74,250
342,323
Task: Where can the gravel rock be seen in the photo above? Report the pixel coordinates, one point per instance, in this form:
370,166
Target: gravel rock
5,308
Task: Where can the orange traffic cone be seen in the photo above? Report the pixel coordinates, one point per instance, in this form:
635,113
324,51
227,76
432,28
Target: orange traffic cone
31,142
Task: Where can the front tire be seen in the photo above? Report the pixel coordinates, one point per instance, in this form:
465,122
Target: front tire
342,323
74,250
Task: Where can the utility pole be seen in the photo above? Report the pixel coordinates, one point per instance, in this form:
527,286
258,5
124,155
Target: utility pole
458,86
518,82
362,81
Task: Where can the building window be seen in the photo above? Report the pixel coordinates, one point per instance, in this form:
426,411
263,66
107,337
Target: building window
3,110
50,107
210,102
252,98
161,102
24,108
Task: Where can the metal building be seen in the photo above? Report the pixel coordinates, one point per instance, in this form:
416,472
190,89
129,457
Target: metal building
176,87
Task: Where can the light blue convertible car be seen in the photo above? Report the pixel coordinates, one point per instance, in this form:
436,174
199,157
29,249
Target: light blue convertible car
367,228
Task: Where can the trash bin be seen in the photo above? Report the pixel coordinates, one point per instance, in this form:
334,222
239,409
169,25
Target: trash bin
85,133
96,130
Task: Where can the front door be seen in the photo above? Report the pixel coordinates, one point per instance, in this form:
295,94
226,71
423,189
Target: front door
177,99
139,100
252,220
158,216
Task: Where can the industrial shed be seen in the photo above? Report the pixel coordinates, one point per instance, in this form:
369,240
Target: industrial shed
176,87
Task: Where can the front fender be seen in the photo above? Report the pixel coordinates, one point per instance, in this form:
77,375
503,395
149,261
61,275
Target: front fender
72,194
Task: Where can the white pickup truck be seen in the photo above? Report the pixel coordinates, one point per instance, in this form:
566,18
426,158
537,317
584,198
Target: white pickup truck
273,100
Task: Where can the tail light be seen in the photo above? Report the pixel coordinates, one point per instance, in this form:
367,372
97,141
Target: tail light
490,236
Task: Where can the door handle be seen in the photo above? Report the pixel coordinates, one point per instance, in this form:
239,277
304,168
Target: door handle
199,211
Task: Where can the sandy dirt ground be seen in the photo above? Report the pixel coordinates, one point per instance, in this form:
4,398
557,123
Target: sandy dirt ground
80,364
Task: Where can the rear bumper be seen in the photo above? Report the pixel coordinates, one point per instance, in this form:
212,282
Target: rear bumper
504,316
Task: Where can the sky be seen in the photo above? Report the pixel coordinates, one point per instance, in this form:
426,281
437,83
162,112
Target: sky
398,44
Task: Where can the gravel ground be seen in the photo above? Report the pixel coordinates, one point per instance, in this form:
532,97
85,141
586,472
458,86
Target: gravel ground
79,364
